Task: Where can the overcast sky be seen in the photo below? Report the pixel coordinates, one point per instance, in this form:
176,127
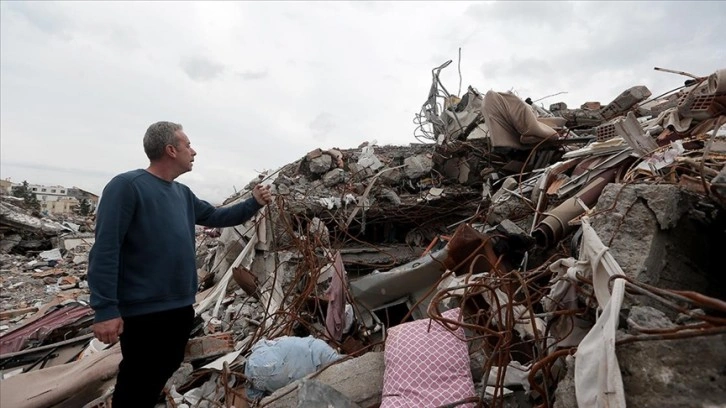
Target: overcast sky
258,85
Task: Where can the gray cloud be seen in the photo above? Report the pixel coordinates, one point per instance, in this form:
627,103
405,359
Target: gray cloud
60,169
303,75
252,75
122,38
46,17
322,125
525,14
517,66
201,68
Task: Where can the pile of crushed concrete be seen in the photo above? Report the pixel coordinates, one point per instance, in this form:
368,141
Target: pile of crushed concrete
518,256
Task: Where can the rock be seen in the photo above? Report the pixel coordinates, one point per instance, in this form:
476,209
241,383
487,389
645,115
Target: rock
674,373
320,165
359,379
333,177
418,166
314,394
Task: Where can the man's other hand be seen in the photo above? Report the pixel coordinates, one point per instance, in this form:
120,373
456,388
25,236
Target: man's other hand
109,331
262,194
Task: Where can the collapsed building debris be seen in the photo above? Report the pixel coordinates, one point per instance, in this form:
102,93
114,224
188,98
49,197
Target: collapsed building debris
551,247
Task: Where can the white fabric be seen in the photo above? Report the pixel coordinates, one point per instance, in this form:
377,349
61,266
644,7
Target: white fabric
598,382
566,331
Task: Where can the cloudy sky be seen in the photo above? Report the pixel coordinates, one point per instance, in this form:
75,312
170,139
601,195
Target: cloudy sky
257,85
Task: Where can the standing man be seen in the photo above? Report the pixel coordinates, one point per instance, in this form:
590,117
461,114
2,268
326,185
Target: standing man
142,268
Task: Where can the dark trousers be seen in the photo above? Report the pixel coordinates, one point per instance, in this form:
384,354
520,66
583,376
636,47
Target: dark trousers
152,348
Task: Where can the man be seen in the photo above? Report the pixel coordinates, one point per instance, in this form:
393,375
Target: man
142,268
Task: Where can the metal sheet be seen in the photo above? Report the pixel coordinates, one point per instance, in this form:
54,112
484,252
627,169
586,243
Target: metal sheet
17,339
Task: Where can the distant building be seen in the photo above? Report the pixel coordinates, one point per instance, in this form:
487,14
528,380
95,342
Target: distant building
62,200
62,205
80,194
6,187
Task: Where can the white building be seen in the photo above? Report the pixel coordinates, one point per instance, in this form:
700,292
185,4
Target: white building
54,199
48,193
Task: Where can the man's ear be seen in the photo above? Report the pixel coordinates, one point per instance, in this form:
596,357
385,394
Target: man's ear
170,150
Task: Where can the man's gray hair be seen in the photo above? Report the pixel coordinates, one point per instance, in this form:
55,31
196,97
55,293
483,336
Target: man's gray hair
157,136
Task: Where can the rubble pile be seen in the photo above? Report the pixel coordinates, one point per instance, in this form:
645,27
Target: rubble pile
518,256
42,261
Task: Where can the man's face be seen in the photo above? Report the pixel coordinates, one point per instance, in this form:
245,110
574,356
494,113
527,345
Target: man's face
184,152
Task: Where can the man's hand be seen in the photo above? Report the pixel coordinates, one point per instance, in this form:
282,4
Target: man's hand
262,194
108,331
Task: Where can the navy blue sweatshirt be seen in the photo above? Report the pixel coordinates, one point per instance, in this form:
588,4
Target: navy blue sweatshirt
144,259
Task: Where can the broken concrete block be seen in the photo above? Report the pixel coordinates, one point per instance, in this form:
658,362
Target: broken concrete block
314,394
321,164
390,195
390,177
565,393
333,177
418,166
674,373
626,100
559,106
457,169
312,155
368,159
180,376
320,230
505,206
591,106
9,242
655,237
283,190
663,105
346,377
648,318
513,231
360,173
52,255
